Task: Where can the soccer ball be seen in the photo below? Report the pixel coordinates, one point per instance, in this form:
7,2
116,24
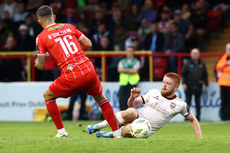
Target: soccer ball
140,128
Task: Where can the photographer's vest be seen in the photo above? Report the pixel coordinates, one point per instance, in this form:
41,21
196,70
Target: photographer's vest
126,78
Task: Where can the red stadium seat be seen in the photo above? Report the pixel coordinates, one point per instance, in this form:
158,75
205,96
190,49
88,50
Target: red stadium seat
160,65
214,20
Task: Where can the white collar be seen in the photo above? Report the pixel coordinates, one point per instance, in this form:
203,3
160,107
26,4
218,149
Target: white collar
50,24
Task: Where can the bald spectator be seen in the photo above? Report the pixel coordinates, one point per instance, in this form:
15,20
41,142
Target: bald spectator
194,75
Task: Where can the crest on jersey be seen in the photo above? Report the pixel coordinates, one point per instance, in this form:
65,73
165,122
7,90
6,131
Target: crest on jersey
172,105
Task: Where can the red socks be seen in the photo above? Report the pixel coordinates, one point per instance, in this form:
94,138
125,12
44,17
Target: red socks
106,108
108,114
54,113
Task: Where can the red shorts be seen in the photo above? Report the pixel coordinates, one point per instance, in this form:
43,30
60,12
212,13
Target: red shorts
90,82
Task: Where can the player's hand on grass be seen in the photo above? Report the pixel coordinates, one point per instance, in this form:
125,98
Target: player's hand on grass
135,92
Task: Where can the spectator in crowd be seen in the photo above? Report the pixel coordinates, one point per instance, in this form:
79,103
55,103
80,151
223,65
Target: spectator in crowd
105,45
33,5
33,27
85,25
8,6
92,6
199,20
194,75
154,41
98,18
21,13
6,27
166,8
144,62
129,77
223,67
69,16
112,73
185,11
144,29
164,22
117,21
120,36
57,9
133,40
101,32
131,19
174,43
10,69
25,41
185,28
147,12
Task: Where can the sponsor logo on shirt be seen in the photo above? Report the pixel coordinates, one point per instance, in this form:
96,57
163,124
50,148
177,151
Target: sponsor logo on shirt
156,97
163,111
70,67
56,27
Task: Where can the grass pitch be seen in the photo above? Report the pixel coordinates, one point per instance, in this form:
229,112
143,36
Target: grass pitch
175,137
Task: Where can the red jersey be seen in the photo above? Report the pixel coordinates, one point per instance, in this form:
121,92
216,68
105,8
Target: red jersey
61,42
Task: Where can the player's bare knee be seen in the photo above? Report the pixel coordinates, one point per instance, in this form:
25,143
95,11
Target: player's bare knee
100,98
129,115
48,96
45,95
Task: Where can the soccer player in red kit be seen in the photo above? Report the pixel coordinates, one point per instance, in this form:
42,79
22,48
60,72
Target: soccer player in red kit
66,44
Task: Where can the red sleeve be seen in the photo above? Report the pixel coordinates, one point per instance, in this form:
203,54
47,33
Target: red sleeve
40,47
79,35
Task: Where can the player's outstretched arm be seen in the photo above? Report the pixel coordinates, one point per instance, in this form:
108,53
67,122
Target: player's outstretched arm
134,100
40,63
85,43
195,125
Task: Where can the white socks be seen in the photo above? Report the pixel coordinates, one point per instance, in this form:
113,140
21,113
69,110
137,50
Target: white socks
117,133
119,118
61,130
104,123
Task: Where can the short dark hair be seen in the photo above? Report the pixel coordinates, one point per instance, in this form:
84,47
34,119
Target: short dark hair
44,12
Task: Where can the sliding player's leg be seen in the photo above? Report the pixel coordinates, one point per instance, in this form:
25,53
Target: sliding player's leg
51,105
123,117
124,131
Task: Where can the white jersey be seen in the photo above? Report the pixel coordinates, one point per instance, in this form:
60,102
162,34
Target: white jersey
158,110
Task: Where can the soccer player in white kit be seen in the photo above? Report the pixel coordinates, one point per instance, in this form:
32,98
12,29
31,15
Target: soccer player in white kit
156,106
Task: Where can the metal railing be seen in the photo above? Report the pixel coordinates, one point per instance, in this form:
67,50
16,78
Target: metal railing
31,56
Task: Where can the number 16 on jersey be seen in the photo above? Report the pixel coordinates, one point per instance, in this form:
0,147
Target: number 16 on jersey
69,47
